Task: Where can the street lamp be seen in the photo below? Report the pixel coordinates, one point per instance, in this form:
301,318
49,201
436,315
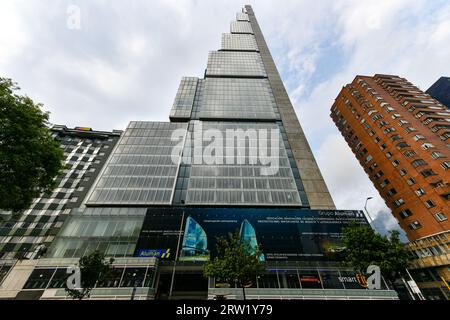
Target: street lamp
137,283
365,208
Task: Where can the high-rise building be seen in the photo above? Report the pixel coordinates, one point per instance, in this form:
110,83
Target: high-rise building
440,90
233,158
29,234
399,135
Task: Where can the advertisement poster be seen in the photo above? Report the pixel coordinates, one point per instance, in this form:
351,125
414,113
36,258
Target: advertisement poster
282,234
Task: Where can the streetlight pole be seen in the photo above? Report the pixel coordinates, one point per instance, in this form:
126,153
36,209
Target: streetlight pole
133,293
365,208
176,257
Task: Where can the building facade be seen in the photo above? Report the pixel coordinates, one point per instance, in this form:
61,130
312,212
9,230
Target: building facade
399,135
440,90
30,234
232,158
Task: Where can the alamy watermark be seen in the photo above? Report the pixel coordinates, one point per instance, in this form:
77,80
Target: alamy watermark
258,147
73,21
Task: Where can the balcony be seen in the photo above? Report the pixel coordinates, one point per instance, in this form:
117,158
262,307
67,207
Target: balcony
432,261
443,190
303,294
440,127
433,117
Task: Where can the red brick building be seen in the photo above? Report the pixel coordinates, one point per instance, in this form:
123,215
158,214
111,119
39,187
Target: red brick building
400,135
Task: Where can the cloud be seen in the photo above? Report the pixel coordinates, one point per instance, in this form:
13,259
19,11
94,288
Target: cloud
124,64
350,185
408,38
12,37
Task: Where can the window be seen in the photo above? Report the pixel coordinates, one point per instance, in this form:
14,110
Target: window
437,251
373,166
420,192
427,173
403,172
445,136
410,129
358,146
422,253
414,225
384,183
377,117
437,184
223,96
377,139
399,202
383,146
388,154
379,174
430,204
409,153
396,137
395,163
405,213
391,192
426,146
436,155
229,63
410,181
418,163
369,157
418,137
388,130
440,217
445,165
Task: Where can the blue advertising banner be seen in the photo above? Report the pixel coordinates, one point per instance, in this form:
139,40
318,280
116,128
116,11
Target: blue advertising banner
282,234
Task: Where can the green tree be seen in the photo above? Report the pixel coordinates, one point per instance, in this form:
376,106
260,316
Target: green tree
365,247
30,158
236,262
93,267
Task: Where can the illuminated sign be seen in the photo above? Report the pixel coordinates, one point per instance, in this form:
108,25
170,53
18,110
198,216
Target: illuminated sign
309,279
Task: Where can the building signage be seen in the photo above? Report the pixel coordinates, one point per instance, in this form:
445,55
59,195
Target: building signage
150,253
282,234
358,278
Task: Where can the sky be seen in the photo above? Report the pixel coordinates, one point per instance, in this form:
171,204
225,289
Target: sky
103,63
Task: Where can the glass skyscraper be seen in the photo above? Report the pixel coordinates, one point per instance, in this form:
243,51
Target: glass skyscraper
440,90
233,157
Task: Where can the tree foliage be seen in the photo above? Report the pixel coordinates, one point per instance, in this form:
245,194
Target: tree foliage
236,261
93,267
29,157
365,247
